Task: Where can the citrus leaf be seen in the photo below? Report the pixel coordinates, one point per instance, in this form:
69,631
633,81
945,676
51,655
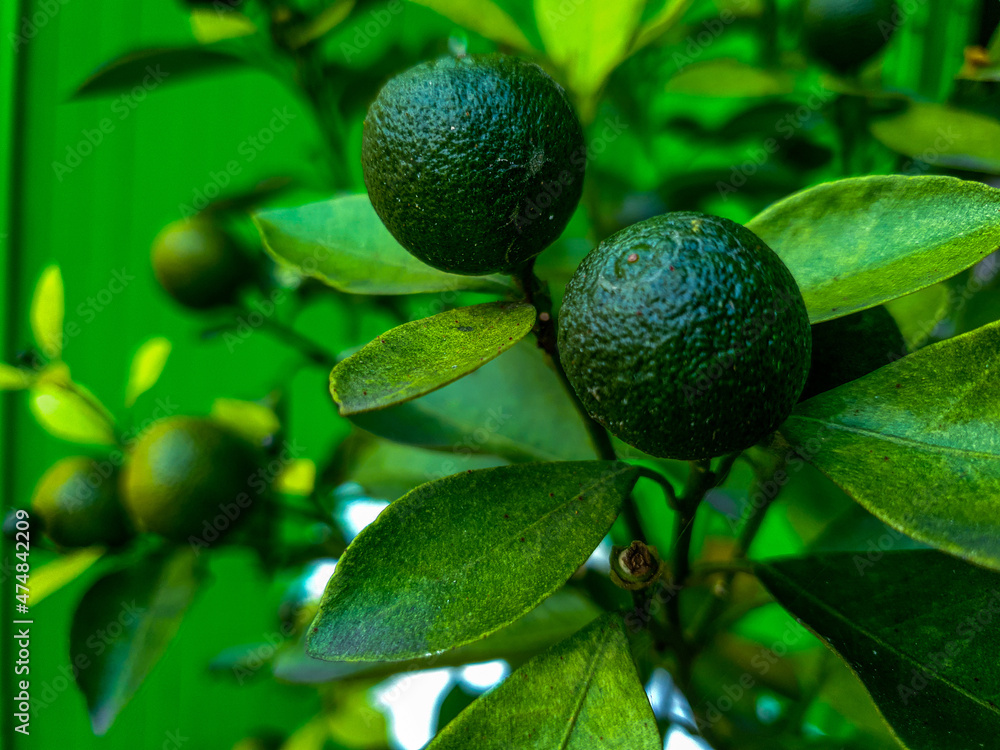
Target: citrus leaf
343,243
150,68
132,614
210,25
147,366
69,415
48,307
918,314
424,355
49,578
558,617
483,17
943,136
857,243
917,443
319,25
670,14
583,694
254,422
727,77
587,39
457,559
932,670
14,378
514,407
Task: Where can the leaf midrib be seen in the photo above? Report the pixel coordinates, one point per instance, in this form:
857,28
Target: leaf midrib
575,715
898,439
902,655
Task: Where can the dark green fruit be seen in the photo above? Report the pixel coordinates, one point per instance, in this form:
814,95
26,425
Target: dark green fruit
849,348
845,34
77,501
685,336
198,264
474,164
186,472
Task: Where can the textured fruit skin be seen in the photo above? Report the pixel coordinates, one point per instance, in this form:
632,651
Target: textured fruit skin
685,336
474,164
851,347
198,264
182,472
78,504
845,34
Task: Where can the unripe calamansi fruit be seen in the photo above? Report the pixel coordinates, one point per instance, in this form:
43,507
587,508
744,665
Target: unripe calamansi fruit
845,34
77,501
685,336
474,164
198,264
184,472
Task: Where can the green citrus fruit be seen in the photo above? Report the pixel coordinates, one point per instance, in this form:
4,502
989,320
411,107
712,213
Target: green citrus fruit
474,164
685,336
186,472
77,501
198,264
849,348
845,34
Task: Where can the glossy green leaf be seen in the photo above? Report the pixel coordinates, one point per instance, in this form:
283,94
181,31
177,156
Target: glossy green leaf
151,68
49,578
124,623
917,627
255,422
943,136
513,407
917,443
14,378
424,355
727,77
558,617
587,39
147,366
457,559
389,470
343,243
485,18
71,414
918,314
48,309
860,242
583,694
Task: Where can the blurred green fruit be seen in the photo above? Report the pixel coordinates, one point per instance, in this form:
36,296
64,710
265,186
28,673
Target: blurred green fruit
198,264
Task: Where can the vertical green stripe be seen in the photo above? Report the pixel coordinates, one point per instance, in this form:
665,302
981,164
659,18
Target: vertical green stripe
10,12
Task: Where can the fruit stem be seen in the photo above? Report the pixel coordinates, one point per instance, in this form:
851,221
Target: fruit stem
668,488
536,293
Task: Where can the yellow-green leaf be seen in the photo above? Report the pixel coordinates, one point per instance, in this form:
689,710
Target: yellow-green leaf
324,21
253,421
297,478
587,39
47,311
943,136
67,414
147,365
725,77
484,17
49,578
210,25
661,23
14,378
